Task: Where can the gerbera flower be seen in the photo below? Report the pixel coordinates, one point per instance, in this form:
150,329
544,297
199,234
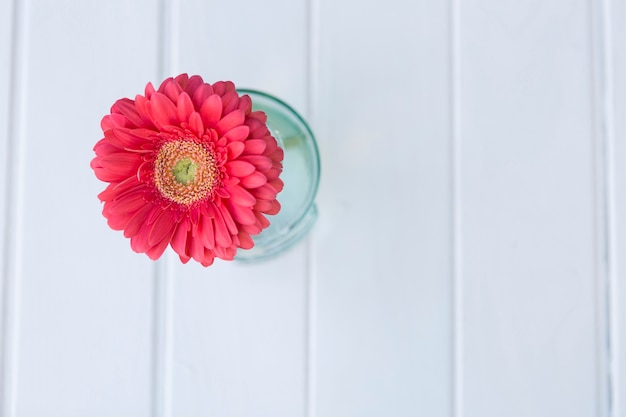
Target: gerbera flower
190,165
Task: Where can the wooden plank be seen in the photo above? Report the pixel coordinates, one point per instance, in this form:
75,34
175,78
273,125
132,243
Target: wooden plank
7,209
383,241
529,208
6,35
239,330
616,78
85,329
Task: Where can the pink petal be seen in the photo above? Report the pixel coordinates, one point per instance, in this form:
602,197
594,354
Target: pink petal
245,103
179,238
256,179
222,237
274,209
163,111
149,90
242,215
223,87
262,163
207,233
230,102
259,115
228,220
238,168
126,107
196,249
139,242
184,107
255,146
234,149
195,122
163,227
239,133
209,257
240,196
278,184
201,94
211,110
251,229
182,80
264,192
193,84
230,121
136,221
171,89
245,241
157,250
141,104
261,220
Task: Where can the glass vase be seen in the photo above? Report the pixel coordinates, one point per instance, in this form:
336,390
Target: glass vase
301,174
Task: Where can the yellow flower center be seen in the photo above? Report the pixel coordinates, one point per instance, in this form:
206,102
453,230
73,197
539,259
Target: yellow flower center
185,172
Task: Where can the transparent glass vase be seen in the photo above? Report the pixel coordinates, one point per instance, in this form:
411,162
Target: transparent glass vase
301,174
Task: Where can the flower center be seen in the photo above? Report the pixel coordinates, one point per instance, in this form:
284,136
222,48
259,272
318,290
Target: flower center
185,172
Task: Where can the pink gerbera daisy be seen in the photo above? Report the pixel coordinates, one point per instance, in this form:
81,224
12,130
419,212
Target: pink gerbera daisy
190,165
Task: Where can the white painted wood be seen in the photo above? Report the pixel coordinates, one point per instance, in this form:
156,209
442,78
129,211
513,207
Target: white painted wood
8,204
239,330
360,319
384,237
529,211
85,328
6,26
617,44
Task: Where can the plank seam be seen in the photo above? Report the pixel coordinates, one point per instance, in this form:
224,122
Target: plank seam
163,292
605,146
310,395
13,239
457,282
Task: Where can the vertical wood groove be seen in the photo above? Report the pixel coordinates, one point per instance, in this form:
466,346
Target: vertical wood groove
310,398
13,242
163,292
457,283
601,137
608,302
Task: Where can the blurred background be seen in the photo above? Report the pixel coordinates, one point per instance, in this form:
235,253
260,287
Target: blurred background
468,260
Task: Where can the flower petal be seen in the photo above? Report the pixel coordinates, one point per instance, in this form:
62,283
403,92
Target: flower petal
239,168
162,227
126,107
207,233
184,107
171,89
228,220
195,122
262,163
137,220
201,94
211,110
162,109
245,241
230,102
234,149
255,146
256,179
240,196
242,215
222,237
230,121
179,238
239,133
264,192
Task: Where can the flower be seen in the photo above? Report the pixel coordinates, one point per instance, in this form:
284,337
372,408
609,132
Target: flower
191,166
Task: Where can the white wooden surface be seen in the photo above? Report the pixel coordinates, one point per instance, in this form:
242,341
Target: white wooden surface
468,260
